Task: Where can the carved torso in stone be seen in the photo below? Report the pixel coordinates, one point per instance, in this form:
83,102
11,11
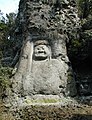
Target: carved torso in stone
47,76
43,65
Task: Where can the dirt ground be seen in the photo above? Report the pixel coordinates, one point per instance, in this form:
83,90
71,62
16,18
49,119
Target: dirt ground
47,112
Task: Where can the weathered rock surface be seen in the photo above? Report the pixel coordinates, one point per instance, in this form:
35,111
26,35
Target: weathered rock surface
47,111
43,68
43,80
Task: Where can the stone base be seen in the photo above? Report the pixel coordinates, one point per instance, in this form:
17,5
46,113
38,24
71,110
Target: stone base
41,107
52,112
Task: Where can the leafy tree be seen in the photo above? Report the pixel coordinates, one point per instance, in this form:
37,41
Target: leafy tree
6,28
84,7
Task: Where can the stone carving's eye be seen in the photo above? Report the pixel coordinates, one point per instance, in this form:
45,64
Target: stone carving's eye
42,48
38,49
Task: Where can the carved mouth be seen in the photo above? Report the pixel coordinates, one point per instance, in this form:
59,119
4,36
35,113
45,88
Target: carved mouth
42,52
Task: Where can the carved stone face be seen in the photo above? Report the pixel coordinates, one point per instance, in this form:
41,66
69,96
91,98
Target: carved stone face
41,52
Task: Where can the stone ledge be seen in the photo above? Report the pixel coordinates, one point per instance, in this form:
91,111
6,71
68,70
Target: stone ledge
53,112
47,111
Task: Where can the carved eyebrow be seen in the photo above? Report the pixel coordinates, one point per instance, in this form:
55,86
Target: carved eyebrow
38,48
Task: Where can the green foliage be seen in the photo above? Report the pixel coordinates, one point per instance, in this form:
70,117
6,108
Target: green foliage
74,47
6,30
10,19
5,73
7,26
1,54
84,8
3,26
76,43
